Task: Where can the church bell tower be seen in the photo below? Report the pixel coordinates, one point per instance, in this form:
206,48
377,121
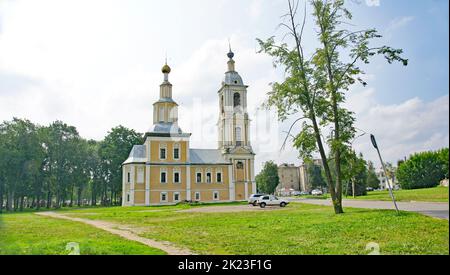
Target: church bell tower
234,132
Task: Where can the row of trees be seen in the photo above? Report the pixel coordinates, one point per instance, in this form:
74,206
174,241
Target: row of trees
357,174
424,170
53,166
317,80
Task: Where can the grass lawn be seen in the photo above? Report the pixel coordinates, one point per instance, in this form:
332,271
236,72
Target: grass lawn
30,234
437,194
299,229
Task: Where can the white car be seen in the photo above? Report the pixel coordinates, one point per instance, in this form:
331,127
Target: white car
271,201
254,198
316,192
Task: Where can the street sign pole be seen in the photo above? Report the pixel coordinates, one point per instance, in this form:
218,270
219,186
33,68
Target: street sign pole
374,143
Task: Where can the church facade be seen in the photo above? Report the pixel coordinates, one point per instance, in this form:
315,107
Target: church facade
165,170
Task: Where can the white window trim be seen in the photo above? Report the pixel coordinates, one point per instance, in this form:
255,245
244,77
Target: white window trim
161,195
176,146
199,196
162,170
206,176
219,171
218,196
162,146
176,170
199,171
179,196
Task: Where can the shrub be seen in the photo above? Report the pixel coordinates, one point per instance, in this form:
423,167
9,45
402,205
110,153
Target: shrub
423,170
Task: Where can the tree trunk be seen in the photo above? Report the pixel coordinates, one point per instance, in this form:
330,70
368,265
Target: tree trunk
79,196
22,198
71,196
49,200
8,201
312,116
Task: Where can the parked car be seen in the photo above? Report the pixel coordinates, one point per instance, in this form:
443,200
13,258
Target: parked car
369,189
254,198
264,201
296,193
316,192
304,193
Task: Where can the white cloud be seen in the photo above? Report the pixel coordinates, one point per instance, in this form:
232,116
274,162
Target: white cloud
398,23
58,60
373,3
255,9
401,129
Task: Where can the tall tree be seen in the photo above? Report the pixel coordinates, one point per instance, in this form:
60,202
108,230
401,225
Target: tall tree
316,176
372,178
315,86
61,147
267,180
114,149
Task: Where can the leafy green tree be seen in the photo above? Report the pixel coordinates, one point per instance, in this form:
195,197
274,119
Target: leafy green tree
315,85
423,170
61,145
315,176
114,149
372,178
443,156
267,180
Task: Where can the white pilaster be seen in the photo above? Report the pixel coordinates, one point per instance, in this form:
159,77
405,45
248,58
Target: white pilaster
231,183
132,172
188,182
252,173
124,180
147,185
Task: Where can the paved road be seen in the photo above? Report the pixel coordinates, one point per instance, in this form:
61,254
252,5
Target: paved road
433,209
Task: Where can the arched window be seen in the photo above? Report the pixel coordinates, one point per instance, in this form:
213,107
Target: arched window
237,100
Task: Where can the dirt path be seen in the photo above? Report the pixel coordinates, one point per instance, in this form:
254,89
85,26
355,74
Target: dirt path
433,209
231,209
124,232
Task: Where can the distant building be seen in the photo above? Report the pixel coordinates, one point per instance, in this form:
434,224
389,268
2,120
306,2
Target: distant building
295,178
289,178
383,181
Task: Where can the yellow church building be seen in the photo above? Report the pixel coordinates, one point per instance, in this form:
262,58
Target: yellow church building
165,170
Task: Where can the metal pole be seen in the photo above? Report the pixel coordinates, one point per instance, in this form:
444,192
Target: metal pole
385,172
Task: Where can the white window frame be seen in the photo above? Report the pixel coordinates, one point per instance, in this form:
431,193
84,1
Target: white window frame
199,196
161,171
178,147
198,171
161,197
210,176
218,196
219,171
179,197
176,170
162,146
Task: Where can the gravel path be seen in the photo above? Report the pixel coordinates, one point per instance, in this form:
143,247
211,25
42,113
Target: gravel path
124,232
232,209
434,209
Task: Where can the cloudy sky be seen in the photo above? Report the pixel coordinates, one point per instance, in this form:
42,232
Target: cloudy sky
96,64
